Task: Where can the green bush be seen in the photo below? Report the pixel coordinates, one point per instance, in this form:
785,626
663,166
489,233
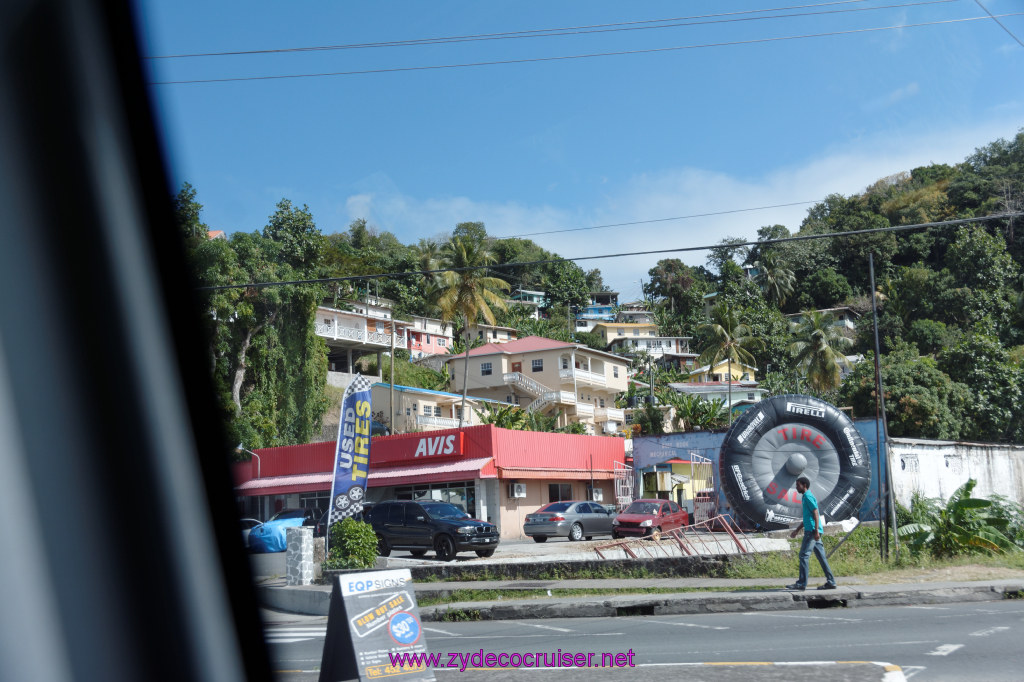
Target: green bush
353,544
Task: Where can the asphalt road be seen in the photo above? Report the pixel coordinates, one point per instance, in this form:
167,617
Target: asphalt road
972,641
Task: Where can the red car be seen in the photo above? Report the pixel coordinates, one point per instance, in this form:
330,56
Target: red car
646,517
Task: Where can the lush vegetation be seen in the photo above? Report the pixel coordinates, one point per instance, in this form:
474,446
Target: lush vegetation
950,318
950,315
963,525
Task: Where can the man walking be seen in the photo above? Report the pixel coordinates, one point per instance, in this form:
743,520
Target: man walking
812,539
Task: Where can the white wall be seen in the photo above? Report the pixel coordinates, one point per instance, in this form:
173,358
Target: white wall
936,468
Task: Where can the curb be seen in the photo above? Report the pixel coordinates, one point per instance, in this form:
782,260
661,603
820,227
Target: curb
315,600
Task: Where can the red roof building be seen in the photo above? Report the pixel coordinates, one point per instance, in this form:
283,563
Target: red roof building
495,474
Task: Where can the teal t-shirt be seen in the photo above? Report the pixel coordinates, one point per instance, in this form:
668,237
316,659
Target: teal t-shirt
810,504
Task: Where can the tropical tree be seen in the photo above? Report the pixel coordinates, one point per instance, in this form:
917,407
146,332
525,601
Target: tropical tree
958,527
711,414
775,279
818,350
505,417
727,338
467,292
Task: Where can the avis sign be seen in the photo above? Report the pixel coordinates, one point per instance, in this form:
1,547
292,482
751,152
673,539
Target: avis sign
432,446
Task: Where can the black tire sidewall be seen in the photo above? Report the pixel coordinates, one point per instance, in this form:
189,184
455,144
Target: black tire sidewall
735,463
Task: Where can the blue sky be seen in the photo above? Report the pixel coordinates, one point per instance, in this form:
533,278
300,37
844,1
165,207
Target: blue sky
537,146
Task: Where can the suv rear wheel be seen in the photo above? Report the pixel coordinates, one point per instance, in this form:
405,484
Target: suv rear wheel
445,547
383,549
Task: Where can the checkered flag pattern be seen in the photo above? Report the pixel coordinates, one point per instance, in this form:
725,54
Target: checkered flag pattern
360,383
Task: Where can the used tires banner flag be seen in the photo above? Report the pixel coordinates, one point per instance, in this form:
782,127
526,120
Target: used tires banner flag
352,452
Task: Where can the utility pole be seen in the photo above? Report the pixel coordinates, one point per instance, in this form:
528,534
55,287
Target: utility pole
888,503
391,386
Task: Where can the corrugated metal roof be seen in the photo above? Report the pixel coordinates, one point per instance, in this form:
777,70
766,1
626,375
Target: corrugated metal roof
542,450
480,467
388,454
528,345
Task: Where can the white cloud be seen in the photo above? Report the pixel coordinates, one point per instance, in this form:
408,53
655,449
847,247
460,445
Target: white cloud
847,168
888,100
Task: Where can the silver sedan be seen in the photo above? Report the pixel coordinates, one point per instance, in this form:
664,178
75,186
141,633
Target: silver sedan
574,520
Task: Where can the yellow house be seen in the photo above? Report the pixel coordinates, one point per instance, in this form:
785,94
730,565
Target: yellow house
614,331
719,372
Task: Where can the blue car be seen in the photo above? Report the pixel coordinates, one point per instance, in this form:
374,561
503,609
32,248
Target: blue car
272,535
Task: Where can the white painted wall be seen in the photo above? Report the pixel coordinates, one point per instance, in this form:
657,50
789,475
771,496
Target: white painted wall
937,468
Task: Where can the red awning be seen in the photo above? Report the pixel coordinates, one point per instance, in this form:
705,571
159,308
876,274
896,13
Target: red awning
282,485
481,467
556,473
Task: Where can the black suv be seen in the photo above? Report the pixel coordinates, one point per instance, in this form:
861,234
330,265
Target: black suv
422,526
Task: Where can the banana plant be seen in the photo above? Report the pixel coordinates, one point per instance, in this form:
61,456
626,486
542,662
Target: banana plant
958,527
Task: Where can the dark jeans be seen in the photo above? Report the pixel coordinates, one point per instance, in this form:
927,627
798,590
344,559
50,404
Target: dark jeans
806,547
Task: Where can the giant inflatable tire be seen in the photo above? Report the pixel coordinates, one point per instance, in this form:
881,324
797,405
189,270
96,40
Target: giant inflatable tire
781,439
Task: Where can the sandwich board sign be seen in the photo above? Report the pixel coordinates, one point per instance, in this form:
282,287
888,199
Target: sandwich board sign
372,619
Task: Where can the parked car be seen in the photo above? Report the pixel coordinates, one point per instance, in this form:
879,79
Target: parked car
425,525
272,535
646,517
248,525
574,520
320,528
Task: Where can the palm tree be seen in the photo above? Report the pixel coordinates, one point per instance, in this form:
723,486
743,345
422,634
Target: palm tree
818,349
774,278
727,339
467,292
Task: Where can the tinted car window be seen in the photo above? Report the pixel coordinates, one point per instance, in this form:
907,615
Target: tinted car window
288,514
642,508
673,507
396,513
443,510
555,507
412,511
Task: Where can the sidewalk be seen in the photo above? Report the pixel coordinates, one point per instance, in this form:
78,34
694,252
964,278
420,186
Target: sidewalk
745,595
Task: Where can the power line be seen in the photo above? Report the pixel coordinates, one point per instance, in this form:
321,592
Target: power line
765,242
658,220
527,60
1001,24
647,24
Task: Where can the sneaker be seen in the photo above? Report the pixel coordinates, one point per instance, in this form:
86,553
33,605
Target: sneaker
827,586
796,586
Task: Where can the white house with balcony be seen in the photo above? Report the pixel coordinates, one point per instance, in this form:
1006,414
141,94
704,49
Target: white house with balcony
844,318
528,298
350,334
577,383
422,409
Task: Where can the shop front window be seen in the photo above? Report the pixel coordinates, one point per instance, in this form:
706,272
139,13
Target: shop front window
559,491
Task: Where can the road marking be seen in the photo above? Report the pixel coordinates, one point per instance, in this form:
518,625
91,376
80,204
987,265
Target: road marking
986,633
945,650
542,627
290,635
930,608
694,625
911,670
443,632
784,615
